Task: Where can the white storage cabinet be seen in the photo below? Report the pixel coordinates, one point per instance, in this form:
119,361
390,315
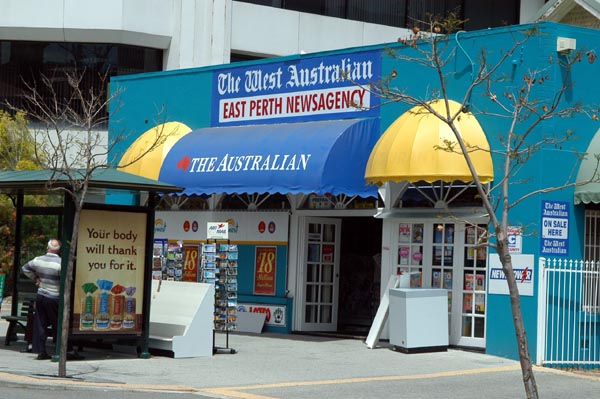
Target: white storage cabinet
418,319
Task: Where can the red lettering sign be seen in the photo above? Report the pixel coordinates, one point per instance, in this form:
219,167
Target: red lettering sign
257,309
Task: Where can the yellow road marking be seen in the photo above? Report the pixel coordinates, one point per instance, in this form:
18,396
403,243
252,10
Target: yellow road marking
234,394
370,379
239,392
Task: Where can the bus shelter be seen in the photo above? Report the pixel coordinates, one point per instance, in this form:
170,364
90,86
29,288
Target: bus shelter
110,292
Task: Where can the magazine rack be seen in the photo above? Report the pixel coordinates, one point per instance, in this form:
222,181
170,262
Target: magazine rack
219,267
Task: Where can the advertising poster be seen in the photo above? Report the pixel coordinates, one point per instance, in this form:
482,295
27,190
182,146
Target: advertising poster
515,239
275,314
522,268
109,280
264,271
190,268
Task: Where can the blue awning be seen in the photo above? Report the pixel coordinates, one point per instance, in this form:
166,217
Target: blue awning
309,157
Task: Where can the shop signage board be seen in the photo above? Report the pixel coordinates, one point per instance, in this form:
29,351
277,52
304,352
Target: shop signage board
324,87
555,228
217,231
255,227
109,278
523,267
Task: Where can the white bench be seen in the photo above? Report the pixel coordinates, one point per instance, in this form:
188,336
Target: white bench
181,318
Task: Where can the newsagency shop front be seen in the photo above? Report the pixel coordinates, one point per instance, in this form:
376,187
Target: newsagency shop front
328,193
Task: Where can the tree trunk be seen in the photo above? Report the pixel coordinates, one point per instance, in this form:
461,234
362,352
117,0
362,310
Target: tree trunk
515,303
64,328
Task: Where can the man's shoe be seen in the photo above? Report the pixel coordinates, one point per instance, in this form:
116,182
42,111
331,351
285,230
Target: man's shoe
43,356
26,350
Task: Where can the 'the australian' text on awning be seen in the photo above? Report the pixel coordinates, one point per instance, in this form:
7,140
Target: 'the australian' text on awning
241,163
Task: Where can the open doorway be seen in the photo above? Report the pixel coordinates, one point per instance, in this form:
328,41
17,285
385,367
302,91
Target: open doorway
360,272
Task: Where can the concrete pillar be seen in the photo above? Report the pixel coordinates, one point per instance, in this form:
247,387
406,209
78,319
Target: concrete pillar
201,34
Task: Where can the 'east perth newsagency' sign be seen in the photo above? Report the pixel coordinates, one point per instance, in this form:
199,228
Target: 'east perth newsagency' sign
315,87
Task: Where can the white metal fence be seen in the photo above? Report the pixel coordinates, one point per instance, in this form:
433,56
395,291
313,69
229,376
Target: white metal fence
569,313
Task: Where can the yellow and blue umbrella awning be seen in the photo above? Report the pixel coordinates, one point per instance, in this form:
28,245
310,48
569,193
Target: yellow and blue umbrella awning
415,148
148,165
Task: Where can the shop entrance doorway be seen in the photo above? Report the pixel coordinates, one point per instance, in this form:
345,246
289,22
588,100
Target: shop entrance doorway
340,262
360,274
321,274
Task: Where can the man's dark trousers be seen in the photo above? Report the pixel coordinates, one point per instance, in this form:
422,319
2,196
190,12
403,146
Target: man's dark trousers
46,314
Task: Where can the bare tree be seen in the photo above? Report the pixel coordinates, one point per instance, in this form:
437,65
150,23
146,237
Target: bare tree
435,49
71,131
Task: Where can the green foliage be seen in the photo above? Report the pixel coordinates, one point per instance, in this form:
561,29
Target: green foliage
18,152
17,144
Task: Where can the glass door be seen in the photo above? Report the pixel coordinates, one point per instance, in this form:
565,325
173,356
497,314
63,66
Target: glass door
321,274
443,265
450,256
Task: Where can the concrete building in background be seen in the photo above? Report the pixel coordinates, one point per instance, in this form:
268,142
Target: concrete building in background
133,36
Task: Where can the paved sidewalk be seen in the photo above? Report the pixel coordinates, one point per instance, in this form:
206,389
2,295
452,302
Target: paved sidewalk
275,365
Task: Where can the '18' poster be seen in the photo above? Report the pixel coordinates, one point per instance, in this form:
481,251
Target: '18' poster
264,270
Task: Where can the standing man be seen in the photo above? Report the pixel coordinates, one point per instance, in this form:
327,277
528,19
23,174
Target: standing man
45,271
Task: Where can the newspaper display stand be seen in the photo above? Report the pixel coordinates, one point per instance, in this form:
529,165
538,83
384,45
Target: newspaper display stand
219,267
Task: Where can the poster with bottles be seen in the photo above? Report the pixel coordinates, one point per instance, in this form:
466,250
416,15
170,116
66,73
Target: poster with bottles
109,275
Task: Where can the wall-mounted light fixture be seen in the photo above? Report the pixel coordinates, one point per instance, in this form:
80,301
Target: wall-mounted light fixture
565,44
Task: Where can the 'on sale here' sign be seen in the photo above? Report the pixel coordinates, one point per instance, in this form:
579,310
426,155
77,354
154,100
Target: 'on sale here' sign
555,228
